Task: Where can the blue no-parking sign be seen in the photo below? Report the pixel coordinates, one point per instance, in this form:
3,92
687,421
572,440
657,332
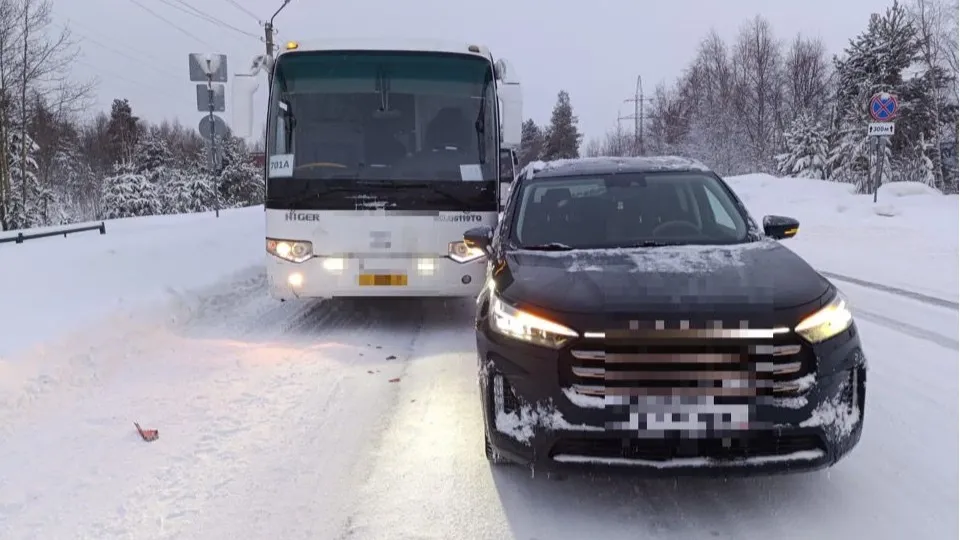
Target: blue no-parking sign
884,107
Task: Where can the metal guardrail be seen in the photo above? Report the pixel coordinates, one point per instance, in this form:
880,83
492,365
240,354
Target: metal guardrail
21,238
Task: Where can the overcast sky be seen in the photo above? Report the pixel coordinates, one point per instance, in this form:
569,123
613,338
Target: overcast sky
594,49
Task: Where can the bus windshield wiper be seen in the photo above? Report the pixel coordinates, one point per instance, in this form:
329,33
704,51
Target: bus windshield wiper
481,122
307,194
390,184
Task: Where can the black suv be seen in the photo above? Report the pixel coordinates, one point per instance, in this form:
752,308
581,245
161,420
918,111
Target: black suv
635,315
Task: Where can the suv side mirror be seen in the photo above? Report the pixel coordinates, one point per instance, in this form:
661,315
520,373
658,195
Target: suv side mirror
480,238
780,227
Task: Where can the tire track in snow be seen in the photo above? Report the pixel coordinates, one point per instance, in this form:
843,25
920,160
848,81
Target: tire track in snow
908,329
926,299
261,407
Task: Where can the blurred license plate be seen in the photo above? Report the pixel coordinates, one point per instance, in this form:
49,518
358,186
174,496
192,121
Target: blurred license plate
383,280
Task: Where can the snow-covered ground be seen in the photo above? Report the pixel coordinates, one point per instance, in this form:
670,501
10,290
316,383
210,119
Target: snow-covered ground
360,420
907,239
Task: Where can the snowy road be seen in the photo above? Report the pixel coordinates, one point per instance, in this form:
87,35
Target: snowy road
281,421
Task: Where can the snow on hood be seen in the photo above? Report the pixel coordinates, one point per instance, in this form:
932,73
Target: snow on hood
690,259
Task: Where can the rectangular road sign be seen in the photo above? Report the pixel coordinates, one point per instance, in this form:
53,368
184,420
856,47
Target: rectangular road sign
203,65
880,129
219,98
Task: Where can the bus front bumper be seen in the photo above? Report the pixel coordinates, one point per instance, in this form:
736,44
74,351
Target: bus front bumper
329,277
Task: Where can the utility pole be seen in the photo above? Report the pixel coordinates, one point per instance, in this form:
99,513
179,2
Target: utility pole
213,138
637,117
268,40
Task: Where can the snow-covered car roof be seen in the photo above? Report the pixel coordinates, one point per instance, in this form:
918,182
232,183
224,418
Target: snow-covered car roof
601,165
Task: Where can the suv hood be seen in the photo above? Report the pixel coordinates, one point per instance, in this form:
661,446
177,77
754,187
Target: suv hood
756,276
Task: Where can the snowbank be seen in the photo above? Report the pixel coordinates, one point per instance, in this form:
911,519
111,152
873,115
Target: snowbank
907,239
50,286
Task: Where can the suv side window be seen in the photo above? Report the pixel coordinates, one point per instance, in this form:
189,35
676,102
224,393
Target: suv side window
720,214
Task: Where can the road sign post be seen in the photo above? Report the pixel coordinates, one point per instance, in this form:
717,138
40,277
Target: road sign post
211,68
883,108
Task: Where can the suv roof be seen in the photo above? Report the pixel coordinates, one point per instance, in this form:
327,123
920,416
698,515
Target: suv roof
609,165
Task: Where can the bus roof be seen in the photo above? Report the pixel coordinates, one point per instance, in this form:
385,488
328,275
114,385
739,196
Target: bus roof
385,44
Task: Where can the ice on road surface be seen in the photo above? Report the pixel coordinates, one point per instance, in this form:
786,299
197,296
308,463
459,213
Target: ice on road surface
361,419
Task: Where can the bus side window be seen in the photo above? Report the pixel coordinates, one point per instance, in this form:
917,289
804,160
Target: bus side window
284,140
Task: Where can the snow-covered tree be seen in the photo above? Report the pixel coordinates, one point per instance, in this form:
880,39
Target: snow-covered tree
806,149
150,154
874,62
239,181
129,194
27,198
189,191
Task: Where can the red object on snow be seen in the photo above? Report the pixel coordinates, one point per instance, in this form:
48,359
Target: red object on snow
148,435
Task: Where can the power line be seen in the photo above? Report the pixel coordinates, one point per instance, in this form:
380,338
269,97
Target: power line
139,61
175,25
70,24
134,82
245,10
206,17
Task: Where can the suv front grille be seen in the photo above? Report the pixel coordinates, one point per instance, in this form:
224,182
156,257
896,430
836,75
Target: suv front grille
717,368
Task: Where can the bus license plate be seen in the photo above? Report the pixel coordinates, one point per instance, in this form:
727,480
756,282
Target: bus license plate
383,280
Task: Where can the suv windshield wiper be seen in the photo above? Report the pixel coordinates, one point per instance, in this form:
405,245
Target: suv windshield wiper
652,243
550,246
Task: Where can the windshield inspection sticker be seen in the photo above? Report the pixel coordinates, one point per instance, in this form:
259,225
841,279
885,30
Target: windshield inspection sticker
281,166
471,172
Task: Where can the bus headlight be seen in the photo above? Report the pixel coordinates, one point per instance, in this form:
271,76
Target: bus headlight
830,321
462,253
295,251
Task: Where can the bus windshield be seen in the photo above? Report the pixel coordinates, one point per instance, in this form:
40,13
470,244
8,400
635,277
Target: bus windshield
396,116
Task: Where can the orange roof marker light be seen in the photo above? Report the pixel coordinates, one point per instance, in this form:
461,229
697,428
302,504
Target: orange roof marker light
291,45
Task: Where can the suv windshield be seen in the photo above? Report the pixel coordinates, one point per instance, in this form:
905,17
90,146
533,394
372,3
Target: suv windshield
383,115
627,210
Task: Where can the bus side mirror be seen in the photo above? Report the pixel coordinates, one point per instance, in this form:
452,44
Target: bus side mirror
244,87
507,170
511,114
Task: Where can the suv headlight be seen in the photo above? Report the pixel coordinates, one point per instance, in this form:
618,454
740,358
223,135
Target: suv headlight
462,253
295,251
518,324
830,321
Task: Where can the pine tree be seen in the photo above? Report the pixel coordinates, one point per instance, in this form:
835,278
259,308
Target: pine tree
190,191
153,160
874,62
129,194
562,139
150,154
531,143
123,131
806,149
239,182
26,198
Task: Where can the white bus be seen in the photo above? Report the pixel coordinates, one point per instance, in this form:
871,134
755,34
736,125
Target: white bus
379,156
